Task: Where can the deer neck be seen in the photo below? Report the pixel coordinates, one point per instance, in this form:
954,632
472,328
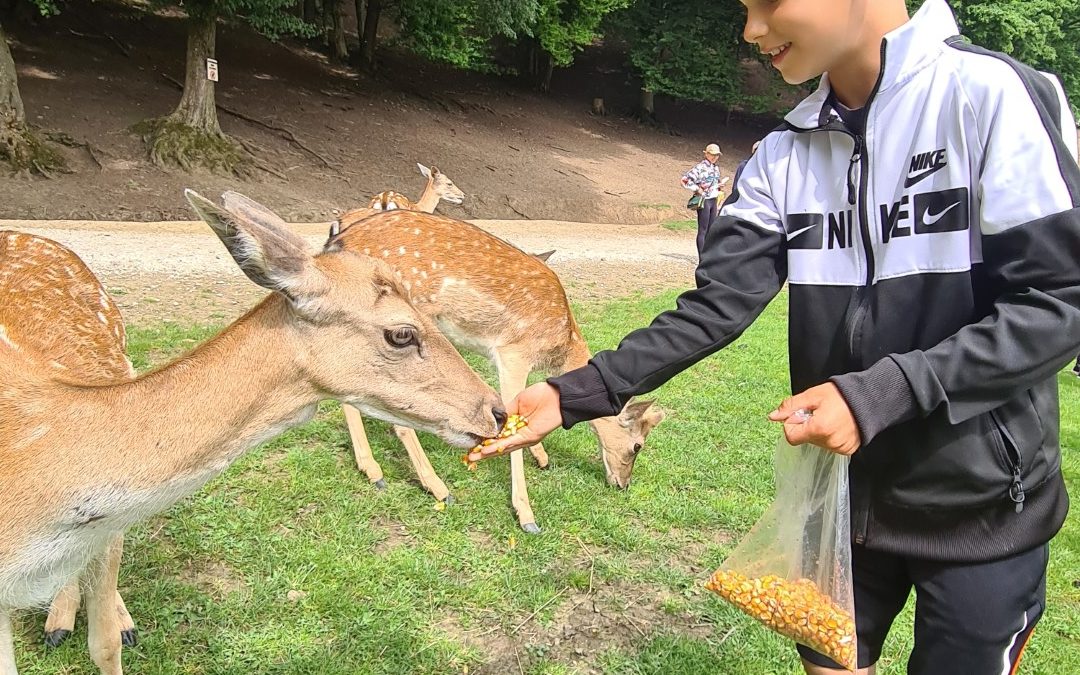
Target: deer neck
429,198
150,442
578,354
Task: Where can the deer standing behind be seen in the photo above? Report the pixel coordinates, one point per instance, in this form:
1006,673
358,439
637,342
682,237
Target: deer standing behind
489,297
438,188
87,452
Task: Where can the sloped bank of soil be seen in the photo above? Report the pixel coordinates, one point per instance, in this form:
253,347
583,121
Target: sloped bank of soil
98,68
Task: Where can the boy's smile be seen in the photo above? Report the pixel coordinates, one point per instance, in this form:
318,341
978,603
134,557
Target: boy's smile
805,38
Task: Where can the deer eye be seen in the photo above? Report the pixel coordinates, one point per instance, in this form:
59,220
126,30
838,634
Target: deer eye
401,337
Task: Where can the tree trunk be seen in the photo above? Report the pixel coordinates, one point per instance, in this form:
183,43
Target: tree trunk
11,105
360,11
310,11
371,32
197,106
339,49
648,110
545,77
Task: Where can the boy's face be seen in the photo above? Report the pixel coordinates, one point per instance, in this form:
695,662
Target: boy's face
804,37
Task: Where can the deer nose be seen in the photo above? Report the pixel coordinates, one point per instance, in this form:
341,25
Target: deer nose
500,416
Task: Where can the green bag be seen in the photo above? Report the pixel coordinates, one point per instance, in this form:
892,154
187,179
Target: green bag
696,202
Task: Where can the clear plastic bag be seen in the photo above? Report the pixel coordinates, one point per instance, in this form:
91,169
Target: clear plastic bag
792,571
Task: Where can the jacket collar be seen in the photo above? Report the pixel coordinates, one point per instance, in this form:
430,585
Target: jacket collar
906,50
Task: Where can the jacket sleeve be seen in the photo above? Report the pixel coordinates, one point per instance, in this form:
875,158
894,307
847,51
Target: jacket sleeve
1028,193
691,178
742,267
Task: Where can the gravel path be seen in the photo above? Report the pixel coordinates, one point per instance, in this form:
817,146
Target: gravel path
178,271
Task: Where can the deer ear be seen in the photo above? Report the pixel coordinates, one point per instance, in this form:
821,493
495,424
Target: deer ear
252,210
426,172
271,256
635,409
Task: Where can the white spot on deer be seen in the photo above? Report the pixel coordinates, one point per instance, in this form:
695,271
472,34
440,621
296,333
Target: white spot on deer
6,340
423,274
104,298
414,271
367,251
416,254
434,265
418,282
416,230
391,206
401,250
408,286
57,365
102,319
385,253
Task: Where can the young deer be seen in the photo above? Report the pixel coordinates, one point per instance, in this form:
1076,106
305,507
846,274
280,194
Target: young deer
488,297
85,455
438,187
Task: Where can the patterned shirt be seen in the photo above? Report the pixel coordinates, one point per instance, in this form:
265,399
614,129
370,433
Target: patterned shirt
706,176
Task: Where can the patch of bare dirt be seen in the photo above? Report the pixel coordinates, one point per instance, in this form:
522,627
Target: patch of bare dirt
583,625
213,577
395,535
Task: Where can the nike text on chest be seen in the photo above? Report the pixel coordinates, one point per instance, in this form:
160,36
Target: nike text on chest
924,164
925,213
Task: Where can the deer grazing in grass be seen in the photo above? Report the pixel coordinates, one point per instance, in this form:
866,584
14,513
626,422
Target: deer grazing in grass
489,297
86,451
438,188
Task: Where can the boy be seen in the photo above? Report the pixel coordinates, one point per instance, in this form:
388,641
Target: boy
922,206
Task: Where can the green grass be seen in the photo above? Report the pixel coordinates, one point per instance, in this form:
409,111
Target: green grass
679,225
394,586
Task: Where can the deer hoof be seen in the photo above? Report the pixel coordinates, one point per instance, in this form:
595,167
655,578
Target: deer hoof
449,500
129,638
531,528
56,638
380,484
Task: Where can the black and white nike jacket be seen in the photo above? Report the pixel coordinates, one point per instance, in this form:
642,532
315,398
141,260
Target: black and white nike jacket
933,263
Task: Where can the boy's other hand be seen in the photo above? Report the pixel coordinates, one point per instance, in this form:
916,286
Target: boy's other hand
539,404
830,424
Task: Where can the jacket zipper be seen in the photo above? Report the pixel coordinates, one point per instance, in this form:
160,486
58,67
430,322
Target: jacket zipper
858,156
1016,462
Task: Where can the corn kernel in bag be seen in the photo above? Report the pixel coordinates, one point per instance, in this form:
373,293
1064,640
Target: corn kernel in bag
792,571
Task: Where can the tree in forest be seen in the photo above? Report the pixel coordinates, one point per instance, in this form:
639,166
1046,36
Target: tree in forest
685,49
463,32
191,136
20,148
1044,34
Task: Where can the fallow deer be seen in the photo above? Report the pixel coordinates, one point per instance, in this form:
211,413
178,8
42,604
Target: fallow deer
489,297
85,455
438,188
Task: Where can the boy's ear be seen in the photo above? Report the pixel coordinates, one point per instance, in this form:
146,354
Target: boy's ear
267,252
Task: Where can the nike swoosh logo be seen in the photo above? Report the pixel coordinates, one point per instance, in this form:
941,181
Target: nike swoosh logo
911,180
931,218
792,235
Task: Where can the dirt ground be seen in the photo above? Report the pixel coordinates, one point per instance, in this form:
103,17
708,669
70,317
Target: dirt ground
98,68
178,271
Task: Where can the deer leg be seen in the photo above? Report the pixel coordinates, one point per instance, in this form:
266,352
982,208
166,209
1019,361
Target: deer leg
361,448
129,637
61,619
513,374
7,646
424,471
102,618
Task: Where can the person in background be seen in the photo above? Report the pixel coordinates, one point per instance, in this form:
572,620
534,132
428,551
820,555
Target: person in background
704,181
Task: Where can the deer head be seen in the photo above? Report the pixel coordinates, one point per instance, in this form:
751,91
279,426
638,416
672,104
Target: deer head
444,187
622,438
359,338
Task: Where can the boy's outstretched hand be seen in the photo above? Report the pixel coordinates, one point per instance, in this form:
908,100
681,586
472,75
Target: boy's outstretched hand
830,425
540,405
